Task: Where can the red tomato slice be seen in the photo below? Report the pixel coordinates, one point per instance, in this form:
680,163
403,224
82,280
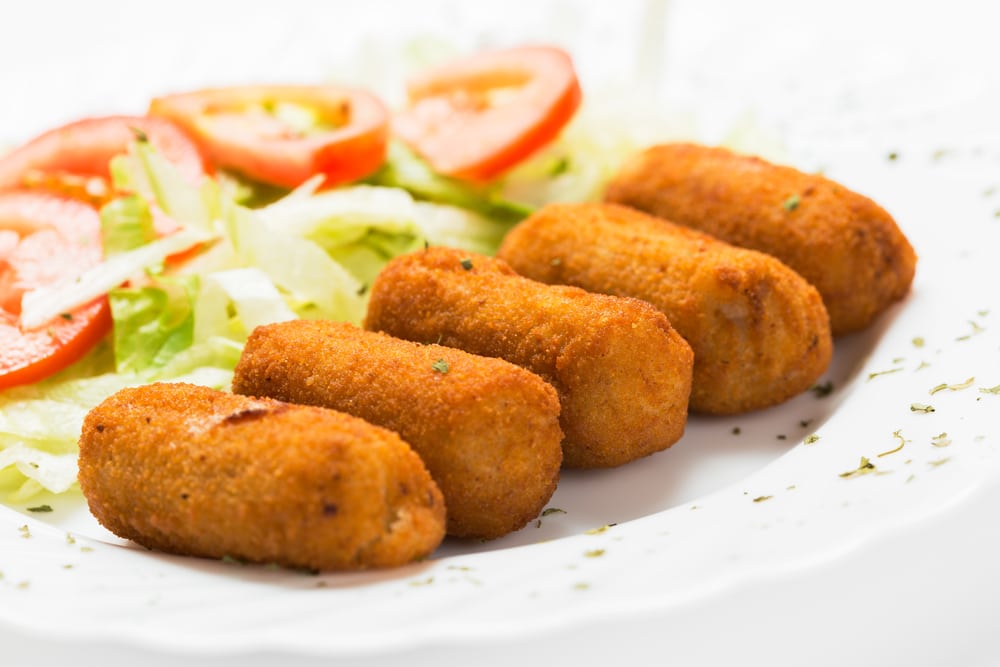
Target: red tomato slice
67,159
238,129
477,117
45,238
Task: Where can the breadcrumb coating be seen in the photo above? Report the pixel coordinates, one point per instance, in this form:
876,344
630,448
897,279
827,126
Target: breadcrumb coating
191,470
759,332
842,242
487,430
622,373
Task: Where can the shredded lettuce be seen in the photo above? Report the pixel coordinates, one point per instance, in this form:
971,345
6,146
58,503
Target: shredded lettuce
255,299
153,322
460,228
126,224
42,304
404,169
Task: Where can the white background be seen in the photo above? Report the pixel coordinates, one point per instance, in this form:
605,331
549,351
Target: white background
899,577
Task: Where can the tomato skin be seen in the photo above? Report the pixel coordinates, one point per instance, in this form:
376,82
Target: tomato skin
85,147
478,117
57,238
266,151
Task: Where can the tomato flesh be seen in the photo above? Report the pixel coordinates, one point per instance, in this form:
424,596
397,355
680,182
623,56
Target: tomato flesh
44,239
480,116
74,159
349,141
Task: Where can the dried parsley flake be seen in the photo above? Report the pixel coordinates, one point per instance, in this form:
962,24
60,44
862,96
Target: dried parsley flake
598,531
822,390
941,440
441,366
864,468
976,329
921,408
952,387
886,372
791,203
902,442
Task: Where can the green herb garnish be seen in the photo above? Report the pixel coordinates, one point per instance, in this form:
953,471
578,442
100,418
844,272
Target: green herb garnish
952,387
887,372
941,440
864,468
559,166
921,407
902,442
822,390
40,508
598,531
791,203
441,366
466,264
976,329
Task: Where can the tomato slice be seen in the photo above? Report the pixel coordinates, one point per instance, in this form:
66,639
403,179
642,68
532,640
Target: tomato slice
477,117
284,135
74,159
46,238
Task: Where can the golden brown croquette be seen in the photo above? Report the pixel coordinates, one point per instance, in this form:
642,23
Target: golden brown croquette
842,242
622,373
759,332
487,430
190,470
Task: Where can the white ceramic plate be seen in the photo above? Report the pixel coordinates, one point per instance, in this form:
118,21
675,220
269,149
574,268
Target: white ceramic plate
742,542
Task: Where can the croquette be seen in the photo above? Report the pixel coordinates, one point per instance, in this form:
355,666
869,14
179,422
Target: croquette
487,430
622,373
759,331
190,470
842,242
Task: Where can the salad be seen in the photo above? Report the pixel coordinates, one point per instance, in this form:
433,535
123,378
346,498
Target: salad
136,249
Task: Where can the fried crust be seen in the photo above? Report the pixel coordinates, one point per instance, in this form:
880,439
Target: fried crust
842,242
759,331
190,470
623,375
487,430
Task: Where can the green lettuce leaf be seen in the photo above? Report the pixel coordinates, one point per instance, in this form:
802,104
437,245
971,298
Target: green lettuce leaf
152,323
404,169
